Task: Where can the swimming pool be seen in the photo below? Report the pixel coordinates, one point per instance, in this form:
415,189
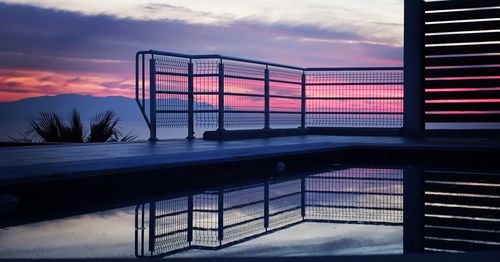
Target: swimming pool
328,210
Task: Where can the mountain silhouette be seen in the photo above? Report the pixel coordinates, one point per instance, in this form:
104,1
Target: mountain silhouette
15,115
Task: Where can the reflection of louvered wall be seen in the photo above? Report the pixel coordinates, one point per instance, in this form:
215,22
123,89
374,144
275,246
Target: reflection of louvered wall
462,211
462,59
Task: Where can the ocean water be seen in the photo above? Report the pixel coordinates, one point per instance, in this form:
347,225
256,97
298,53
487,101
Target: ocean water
12,128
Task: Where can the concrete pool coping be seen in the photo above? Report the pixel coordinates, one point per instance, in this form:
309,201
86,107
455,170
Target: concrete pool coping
33,164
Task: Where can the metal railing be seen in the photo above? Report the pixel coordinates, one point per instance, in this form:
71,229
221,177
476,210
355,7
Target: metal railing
220,218
224,92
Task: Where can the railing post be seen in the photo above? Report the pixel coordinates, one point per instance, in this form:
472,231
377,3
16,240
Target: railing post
152,100
190,101
303,102
303,198
266,99
221,97
152,226
144,82
190,220
266,205
220,218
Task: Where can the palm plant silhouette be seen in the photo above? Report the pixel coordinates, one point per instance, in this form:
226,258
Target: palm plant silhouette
51,127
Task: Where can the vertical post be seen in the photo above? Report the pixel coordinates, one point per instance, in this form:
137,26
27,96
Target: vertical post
266,205
303,198
137,97
190,220
220,219
221,96
152,226
266,99
303,101
152,100
190,101
142,228
413,211
413,112
144,82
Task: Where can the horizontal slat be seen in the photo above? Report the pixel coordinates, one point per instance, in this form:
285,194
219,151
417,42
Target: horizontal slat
473,83
463,212
459,4
463,95
285,97
463,200
463,60
462,15
245,77
352,113
462,234
242,94
466,189
462,106
458,245
463,223
285,82
356,84
461,27
462,49
462,38
463,72
355,98
462,177
463,118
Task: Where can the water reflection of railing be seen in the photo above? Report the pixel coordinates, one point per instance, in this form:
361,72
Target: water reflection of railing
219,218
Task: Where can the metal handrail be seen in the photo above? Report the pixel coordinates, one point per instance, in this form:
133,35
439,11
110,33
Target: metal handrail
239,59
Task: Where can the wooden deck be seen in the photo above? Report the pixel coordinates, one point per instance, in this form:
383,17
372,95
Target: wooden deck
48,162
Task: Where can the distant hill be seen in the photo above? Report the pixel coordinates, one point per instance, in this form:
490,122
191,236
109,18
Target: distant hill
14,115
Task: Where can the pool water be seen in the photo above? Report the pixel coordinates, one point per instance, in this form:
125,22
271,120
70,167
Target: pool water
334,211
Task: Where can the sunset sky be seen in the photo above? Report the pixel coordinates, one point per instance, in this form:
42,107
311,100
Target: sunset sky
52,47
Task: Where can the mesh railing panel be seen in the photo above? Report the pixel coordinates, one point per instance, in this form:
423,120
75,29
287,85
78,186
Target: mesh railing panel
243,94
206,92
285,90
356,98
171,91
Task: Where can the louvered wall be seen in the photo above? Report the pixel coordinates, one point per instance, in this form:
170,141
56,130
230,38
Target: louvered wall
462,61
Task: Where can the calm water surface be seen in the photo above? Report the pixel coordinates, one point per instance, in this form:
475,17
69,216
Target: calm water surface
111,234
338,212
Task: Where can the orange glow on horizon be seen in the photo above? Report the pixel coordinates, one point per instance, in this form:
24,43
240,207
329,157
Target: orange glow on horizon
19,84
